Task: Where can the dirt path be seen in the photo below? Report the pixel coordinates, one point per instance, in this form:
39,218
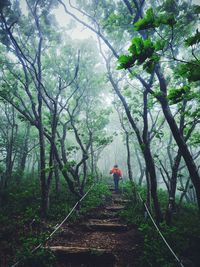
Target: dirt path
102,239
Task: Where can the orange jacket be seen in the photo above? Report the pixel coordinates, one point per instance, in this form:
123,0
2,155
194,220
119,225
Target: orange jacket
116,170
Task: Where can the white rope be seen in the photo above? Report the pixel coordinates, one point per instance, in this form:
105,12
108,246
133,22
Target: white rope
56,229
163,238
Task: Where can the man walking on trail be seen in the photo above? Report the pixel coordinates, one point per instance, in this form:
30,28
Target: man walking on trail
117,175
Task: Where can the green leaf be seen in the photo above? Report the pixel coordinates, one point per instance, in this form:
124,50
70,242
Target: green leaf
166,19
176,95
193,39
143,49
151,21
136,46
125,62
147,22
190,70
159,45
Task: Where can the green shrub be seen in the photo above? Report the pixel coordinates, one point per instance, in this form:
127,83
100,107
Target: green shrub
95,198
183,235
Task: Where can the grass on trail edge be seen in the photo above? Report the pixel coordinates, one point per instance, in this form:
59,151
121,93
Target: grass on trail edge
183,235
22,228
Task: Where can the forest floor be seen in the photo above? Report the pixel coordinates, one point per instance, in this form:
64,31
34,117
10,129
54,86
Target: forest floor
101,238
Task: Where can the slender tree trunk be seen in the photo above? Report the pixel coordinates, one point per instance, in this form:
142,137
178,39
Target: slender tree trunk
35,160
141,176
22,164
178,136
130,174
6,176
11,133
142,169
184,192
42,169
172,189
84,178
23,155
152,174
173,181
57,177
128,159
92,159
97,178
8,171
148,196
150,166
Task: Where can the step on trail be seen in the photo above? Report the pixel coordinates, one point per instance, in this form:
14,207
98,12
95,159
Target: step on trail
101,240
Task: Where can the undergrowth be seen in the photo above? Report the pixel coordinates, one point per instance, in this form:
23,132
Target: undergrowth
183,235
22,229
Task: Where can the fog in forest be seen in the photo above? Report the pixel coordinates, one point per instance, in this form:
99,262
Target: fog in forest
99,102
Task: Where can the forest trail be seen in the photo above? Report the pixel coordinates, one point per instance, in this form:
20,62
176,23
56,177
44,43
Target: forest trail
101,239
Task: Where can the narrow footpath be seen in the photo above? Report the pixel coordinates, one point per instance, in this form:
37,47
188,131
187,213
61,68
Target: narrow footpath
101,239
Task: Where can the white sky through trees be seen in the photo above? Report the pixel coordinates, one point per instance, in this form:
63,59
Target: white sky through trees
77,31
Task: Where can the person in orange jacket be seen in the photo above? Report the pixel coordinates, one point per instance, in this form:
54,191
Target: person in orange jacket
117,175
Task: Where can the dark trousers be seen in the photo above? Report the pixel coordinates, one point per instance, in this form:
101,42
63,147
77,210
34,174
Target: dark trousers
116,182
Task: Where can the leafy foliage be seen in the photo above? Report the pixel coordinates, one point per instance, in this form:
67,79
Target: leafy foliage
21,211
151,20
97,196
190,70
195,139
147,22
177,95
141,51
183,235
126,62
144,52
193,39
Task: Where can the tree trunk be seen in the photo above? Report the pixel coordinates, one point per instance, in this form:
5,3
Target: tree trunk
42,170
150,166
172,189
130,174
84,178
184,192
178,136
23,156
142,169
152,174
8,171
148,196
92,158
57,178
173,184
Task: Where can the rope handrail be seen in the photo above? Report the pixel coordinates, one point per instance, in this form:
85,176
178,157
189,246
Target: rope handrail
57,227
74,207
160,233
